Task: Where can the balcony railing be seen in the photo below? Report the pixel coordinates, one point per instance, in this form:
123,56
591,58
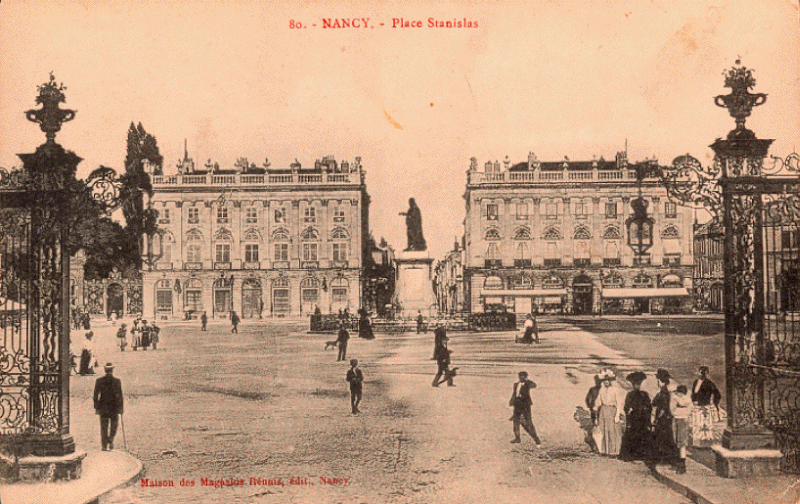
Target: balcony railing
245,179
551,176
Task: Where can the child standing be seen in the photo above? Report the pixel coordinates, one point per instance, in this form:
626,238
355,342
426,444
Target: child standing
356,378
680,405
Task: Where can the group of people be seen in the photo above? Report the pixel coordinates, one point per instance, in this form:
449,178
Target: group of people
81,319
654,431
531,331
142,335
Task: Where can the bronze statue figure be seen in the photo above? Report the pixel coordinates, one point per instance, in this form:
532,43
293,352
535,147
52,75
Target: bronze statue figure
414,227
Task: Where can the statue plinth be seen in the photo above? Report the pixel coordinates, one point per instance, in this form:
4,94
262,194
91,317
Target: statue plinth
414,288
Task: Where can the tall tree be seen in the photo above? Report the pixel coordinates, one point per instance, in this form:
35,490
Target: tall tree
142,148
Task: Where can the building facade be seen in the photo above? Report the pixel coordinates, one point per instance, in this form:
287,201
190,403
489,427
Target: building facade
448,282
709,267
587,237
258,241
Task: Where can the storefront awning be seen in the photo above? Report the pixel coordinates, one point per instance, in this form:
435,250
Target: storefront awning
524,292
644,293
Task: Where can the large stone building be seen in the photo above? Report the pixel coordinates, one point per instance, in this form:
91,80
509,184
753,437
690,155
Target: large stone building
448,281
574,237
709,267
261,242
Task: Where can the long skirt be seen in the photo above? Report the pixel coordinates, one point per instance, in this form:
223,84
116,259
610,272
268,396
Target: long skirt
86,363
702,420
612,431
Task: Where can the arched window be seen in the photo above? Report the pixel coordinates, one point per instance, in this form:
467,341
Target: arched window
194,246
670,232
223,235
194,235
611,233
552,282
193,295
522,282
613,282
251,235
280,239
582,233
552,233
339,234
310,249
642,280
280,282
310,234
492,235
522,233
671,281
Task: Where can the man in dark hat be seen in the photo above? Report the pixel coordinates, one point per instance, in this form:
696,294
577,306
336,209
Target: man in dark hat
443,363
108,405
342,339
521,402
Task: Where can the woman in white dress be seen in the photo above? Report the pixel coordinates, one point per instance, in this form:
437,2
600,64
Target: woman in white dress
610,414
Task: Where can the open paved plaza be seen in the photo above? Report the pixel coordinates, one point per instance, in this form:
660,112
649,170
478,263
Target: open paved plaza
269,403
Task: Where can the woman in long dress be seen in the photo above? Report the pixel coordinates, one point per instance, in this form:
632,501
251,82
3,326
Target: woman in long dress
706,397
664,449
364,325
88,359
636,440
610,414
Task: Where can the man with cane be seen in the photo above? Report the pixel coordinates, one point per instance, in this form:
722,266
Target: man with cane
108,405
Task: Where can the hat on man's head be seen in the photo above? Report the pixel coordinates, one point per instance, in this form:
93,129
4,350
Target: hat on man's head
108,367
662,375
704,368
523,374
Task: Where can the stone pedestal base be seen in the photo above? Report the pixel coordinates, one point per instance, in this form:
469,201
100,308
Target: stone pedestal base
744,463
413,288
43,469
748,438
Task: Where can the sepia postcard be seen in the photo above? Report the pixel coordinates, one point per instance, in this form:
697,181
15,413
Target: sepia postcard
284,219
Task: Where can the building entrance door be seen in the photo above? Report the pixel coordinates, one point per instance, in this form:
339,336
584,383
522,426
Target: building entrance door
582,295
280,302
251,299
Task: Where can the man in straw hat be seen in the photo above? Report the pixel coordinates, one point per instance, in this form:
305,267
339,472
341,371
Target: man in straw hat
108,405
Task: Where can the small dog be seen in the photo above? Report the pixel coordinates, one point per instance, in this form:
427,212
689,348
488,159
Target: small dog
331,344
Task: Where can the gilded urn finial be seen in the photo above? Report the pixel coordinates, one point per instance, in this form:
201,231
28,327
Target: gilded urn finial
740,102
50,116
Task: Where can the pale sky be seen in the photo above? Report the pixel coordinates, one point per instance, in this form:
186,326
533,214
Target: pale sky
557,78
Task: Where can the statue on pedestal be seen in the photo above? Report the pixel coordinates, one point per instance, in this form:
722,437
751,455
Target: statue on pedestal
414,227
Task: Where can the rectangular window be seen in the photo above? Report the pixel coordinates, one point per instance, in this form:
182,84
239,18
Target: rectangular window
281,252
251,252
611,261
582,262
194,215
223,252
338,214
491,212
340,252
549,263
611,210
193,253
251,215
641,260
581,210
670,210
672,259
790,239
310,214
522,211
163,217
194,300
551,210
280,216
339,295
164,301
309,252
222,215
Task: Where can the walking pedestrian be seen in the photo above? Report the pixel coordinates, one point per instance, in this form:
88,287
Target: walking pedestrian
234,322
121,337
88,358
108,405
342,340
420,321
610,414
535,328
145,329
521,402
443,365
680,405
356,378
439,334
591,398
154,330
636,440
203,321
706,397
